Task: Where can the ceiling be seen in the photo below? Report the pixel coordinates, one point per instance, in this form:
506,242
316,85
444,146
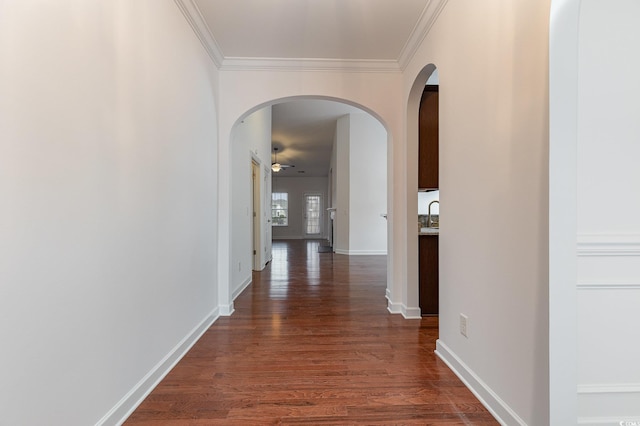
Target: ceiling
327,29
303,132
344,34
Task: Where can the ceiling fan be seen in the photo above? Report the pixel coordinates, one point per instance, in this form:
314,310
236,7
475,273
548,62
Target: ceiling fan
275,166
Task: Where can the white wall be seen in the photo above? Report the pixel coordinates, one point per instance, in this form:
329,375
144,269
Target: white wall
108,219
359,161
342,171
368,185
608,282
297,187
494,198
242,92
251,141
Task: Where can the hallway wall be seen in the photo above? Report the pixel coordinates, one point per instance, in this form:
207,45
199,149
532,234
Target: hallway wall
493,198
251,141
608,230
359,163
108,219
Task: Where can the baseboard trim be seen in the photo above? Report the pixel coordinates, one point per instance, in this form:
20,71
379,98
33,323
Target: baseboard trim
362,252
394,308
299,237
492,402
226,310
411,313
242,287
401,308
123,409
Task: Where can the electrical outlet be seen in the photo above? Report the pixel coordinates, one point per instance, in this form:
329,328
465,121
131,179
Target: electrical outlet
464,324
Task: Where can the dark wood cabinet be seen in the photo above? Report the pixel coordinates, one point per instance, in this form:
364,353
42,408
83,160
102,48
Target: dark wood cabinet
428,139
428,274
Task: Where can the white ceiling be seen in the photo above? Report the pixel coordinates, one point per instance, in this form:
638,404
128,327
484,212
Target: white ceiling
303,132
370,34
326,29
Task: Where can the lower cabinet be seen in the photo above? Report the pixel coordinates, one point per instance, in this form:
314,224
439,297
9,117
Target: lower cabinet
428,274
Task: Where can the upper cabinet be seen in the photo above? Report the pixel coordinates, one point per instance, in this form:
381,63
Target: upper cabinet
428,136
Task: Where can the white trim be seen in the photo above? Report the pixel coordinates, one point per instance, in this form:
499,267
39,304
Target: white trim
123,409
609,388
607,421
202,31
620,394
428,17
564,18
226,310
410,313
608,245
401,308
299,237
624,286
496,406
394,308
241,288
362,252
310,64
191,12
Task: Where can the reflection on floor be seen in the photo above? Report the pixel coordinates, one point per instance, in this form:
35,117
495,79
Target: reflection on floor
311,342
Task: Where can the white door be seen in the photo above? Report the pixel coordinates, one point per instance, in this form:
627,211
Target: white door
313,214
266,186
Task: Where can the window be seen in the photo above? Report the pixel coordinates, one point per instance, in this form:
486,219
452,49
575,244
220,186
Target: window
312,214
280,209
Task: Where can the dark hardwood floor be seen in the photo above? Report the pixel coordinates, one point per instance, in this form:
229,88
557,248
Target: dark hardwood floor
311,342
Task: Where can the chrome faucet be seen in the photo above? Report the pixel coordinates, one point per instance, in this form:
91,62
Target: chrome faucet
429,221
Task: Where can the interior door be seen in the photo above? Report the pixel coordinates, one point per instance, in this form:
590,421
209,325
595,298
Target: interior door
256,225
266,186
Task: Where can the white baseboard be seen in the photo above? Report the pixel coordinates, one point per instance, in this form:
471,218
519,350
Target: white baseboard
123,409
299,237
241,288
226,310
492,402
411,313
394,308
400,308
362,252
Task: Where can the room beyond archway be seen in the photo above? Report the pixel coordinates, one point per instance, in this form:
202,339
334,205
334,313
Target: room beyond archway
339,156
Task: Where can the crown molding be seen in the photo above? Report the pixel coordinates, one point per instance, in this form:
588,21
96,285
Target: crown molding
428,17
193,16
200,27
309,64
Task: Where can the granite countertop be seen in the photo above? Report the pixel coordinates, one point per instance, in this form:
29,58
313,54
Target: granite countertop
429,231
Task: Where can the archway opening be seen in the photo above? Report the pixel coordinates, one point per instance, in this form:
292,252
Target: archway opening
336,153
424,194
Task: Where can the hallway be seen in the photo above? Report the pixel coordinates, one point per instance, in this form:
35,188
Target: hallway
311,342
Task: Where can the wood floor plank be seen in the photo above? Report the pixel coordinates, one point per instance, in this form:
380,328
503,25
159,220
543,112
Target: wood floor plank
311,342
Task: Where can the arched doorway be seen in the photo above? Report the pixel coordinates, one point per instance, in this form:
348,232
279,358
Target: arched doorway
413,125
251,142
